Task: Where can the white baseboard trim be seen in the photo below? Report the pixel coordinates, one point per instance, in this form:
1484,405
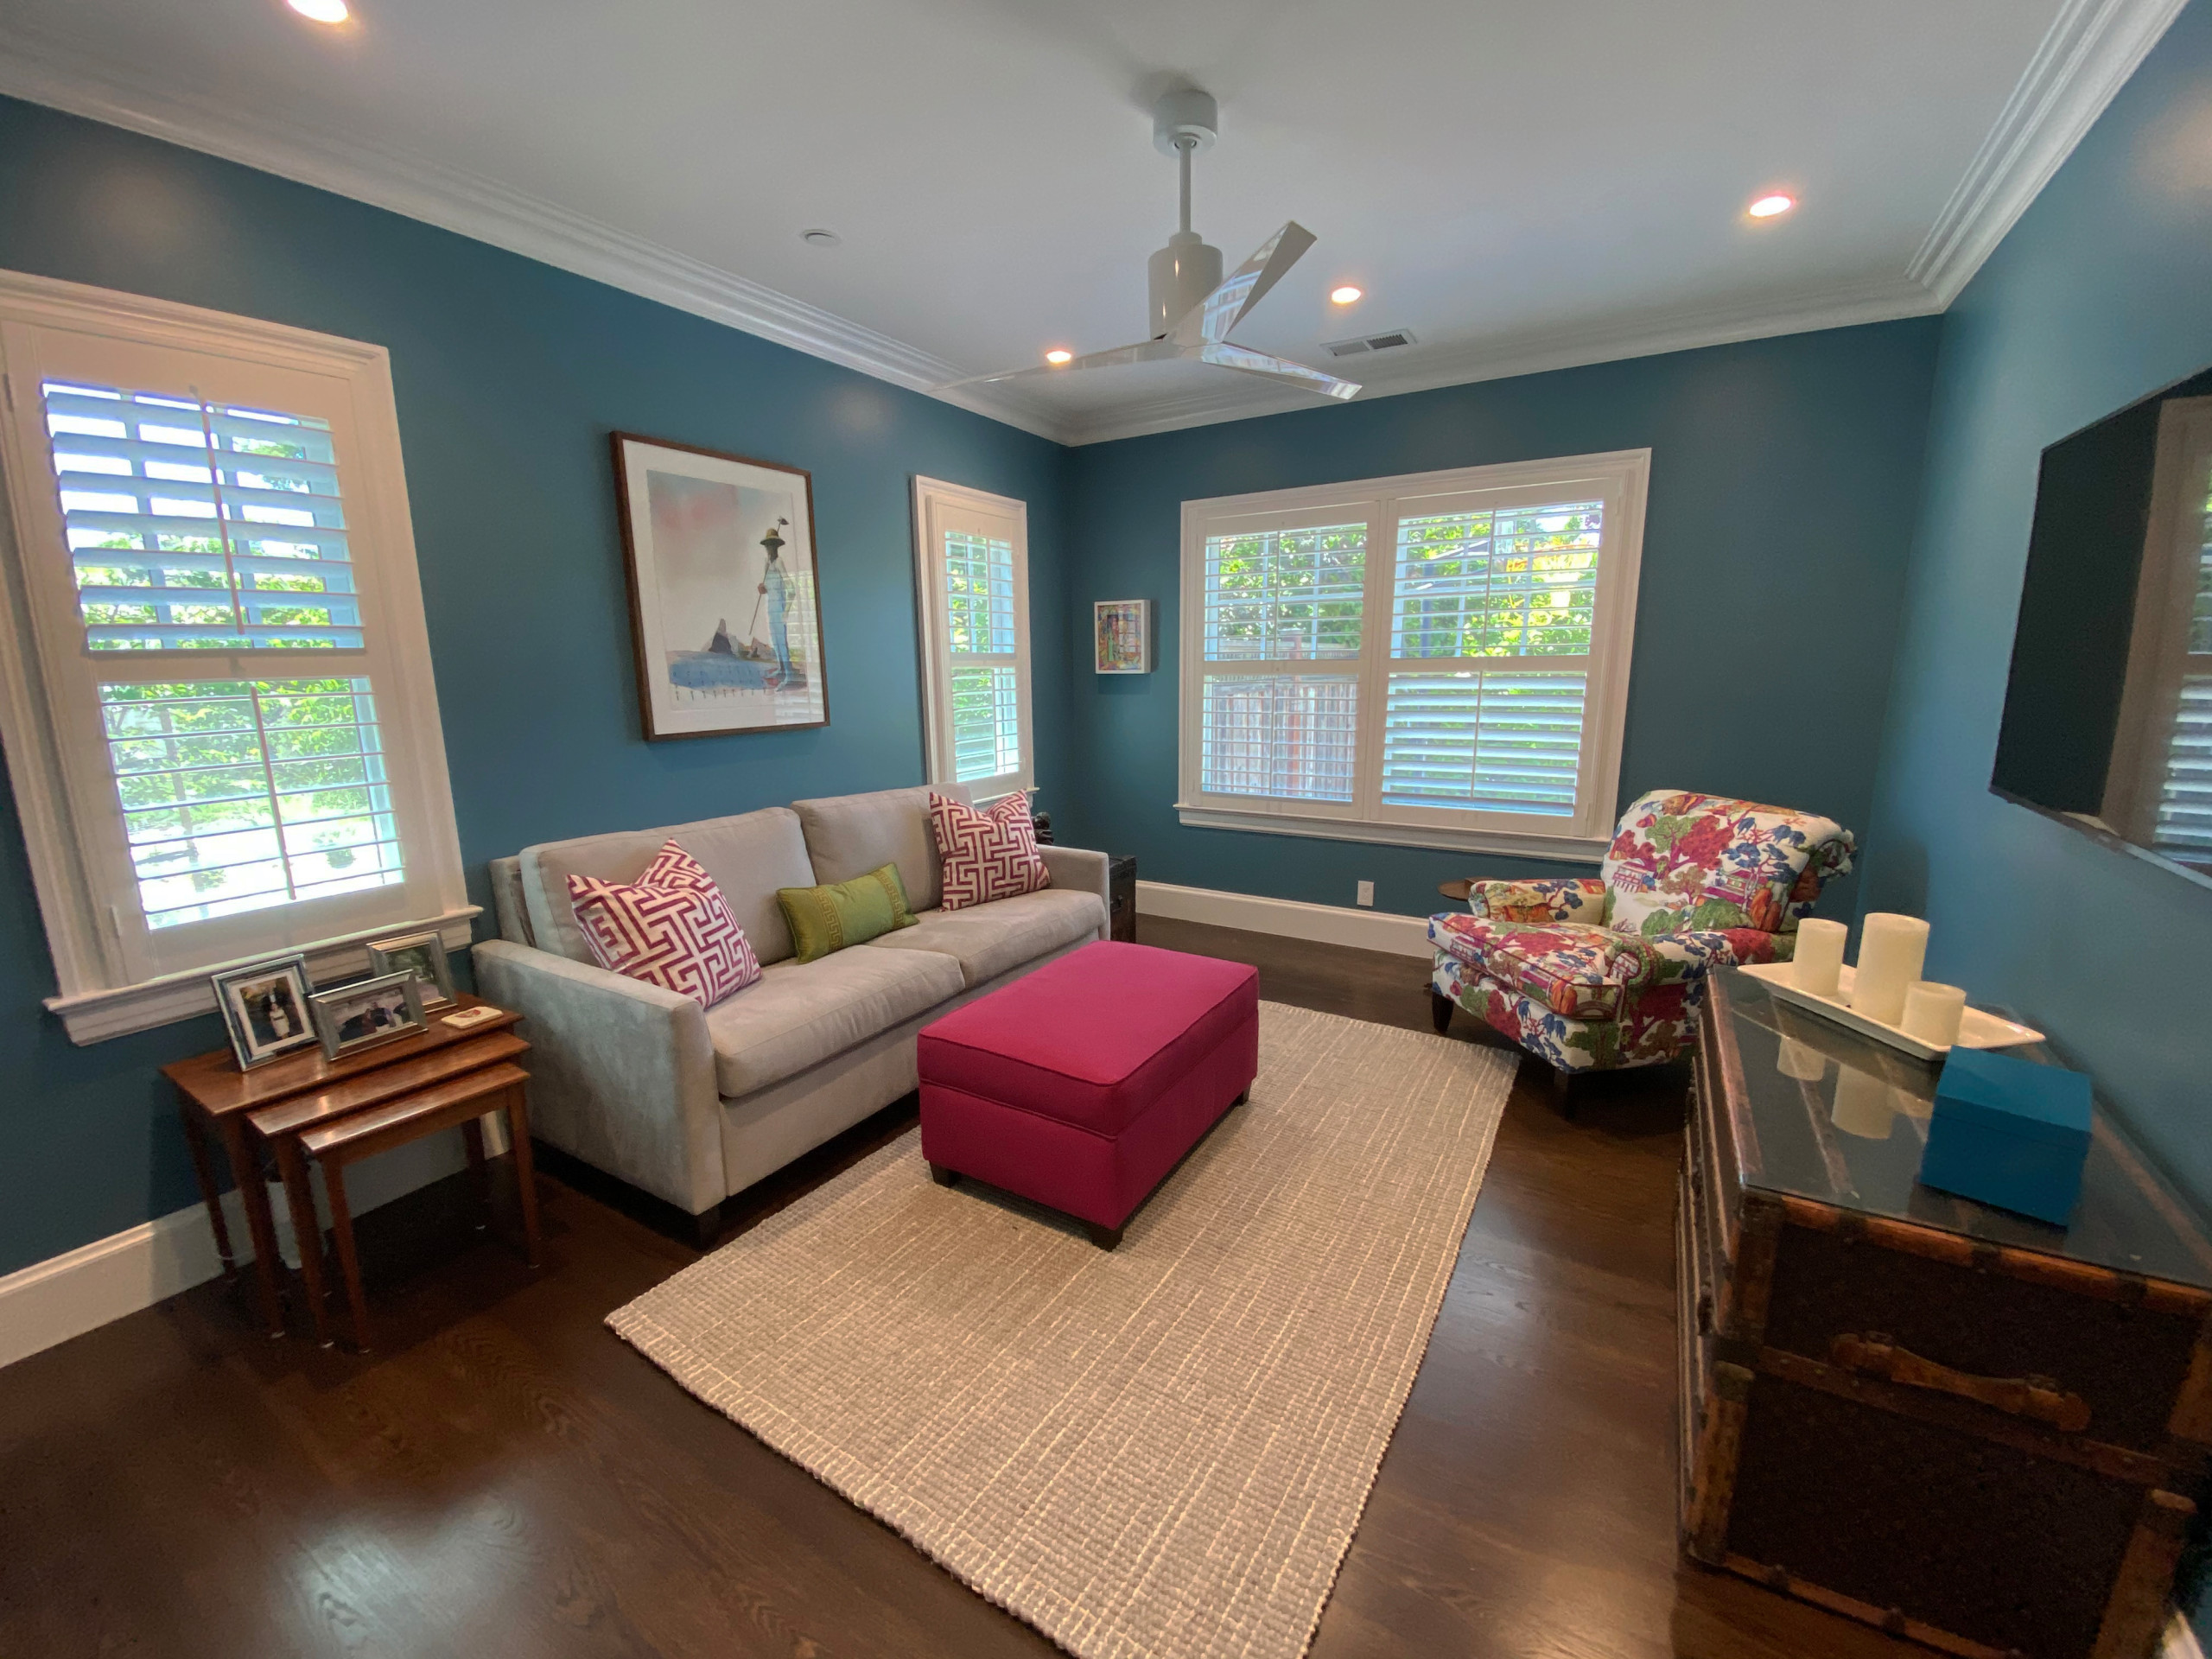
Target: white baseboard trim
1289,919
80,1290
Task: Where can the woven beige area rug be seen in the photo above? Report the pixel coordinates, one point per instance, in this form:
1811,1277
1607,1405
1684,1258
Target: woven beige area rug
1162,1450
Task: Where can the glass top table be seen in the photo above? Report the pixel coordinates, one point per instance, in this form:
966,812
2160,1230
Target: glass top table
1842,1120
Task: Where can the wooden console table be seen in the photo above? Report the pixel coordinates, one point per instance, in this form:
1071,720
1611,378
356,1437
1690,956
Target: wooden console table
217,1102
1969,1428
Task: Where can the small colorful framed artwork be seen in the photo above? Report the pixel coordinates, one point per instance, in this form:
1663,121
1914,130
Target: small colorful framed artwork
1124,635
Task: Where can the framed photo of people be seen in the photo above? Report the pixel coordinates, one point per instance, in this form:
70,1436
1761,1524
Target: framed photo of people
725,603
265,1008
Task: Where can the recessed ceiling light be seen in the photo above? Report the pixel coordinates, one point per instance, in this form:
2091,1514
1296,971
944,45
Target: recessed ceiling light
1058,355
1346,295
820,238
1767,206
322,11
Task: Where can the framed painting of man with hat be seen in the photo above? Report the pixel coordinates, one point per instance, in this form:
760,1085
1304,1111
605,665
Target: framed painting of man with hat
725,609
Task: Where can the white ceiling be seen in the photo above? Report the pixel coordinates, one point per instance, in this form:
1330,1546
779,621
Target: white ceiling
1521,184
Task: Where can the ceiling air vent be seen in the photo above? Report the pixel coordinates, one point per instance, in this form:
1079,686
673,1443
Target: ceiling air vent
1365,343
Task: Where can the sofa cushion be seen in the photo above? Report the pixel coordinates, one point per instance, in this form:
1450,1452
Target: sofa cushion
749,856
986,856
850,835
988,939
673,929
827,919
801,1014
1583,973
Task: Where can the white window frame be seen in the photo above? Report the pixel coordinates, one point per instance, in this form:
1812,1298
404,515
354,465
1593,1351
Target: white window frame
57,759
1621,478
940,507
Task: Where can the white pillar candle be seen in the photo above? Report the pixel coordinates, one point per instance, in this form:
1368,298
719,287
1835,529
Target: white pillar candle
1891,951
1862,1105
1932,1011
1795,1060
1819,956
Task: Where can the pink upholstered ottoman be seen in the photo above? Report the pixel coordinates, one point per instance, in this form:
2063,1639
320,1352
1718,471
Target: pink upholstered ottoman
1081,1086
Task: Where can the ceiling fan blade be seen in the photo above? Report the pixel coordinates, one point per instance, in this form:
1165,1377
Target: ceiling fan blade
1144,351
1245,287
1276,368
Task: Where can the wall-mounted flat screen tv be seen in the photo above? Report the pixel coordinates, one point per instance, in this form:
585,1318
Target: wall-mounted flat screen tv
2109,710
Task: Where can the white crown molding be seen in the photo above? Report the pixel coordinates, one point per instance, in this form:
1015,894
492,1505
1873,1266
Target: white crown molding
2091,47
472,206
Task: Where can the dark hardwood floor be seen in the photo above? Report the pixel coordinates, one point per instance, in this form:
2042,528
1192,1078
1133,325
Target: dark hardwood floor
506,1478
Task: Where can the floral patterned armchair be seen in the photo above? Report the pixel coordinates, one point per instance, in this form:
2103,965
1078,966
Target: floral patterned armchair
1591,973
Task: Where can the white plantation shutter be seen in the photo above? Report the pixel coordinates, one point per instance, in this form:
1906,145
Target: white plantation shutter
971,567
193,525
212,537
1491,617
1493,741
1274,599
1437,660
240,794
981,641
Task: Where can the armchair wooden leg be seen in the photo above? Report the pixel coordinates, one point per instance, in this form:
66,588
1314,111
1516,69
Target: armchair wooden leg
1440,1010
1563,1091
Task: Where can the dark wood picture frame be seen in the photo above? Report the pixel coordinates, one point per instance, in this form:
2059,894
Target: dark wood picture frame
726,662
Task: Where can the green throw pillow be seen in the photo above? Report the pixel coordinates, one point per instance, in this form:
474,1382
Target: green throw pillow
830,917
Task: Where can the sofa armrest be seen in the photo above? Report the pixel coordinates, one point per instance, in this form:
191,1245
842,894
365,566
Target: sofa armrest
1081,870
1582,899
622,1073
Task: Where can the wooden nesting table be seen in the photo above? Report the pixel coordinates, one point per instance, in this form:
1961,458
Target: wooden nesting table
396,1091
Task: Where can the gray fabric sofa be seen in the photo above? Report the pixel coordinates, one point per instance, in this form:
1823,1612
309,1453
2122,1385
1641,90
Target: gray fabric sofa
694,1104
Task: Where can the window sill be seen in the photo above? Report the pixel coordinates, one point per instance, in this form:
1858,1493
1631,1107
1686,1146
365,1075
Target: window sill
1564,849
94,1016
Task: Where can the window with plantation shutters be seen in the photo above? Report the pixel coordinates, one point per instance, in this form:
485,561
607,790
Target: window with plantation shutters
971,576
216,593
1433,660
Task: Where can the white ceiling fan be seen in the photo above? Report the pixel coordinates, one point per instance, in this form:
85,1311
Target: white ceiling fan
1192,309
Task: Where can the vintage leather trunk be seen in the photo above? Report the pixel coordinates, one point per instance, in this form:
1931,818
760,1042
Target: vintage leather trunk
1970,1428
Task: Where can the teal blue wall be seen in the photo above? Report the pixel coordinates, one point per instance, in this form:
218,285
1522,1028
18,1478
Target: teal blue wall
1784,477
509,374
2102,293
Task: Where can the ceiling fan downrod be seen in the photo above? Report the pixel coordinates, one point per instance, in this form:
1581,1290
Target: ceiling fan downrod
1182,274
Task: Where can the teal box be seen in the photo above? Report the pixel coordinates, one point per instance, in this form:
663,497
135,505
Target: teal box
2009,1132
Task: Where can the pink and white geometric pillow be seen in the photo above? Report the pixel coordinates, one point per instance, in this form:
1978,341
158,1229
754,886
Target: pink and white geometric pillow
986,854
671,928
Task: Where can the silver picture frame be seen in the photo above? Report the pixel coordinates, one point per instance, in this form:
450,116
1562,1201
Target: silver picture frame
266,1008
424,955
368,1012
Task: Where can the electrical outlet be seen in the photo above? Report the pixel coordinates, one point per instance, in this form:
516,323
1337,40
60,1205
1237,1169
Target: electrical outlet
1367,894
